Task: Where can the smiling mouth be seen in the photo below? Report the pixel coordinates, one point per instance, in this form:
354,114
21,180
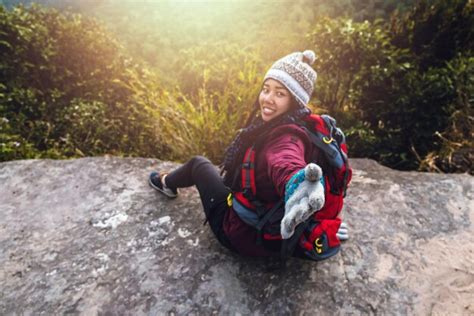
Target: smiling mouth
267,110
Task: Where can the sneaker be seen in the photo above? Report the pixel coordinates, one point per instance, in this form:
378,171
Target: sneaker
155,182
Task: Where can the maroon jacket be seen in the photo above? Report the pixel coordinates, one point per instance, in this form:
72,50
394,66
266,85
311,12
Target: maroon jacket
287,150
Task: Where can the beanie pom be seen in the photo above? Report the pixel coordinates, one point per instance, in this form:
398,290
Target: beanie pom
309,56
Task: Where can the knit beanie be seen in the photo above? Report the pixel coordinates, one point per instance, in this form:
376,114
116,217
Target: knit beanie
294,71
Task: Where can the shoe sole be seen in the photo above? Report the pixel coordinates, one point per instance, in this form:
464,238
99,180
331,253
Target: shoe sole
160,190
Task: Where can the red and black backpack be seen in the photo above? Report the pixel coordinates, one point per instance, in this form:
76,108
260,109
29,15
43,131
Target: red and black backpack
316,237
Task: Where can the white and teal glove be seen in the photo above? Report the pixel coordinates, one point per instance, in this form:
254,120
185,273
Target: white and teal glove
304,195
343,232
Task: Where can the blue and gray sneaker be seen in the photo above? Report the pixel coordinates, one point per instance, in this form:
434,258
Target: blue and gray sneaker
155,182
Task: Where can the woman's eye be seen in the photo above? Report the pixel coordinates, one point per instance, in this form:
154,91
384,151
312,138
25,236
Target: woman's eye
278,93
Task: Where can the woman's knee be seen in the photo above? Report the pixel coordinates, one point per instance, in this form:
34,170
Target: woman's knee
202,167
199,160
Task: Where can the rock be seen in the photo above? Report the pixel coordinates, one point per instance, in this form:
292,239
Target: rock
90,236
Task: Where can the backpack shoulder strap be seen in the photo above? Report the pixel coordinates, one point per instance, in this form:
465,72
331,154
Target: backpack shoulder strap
248,185
330,139
321,130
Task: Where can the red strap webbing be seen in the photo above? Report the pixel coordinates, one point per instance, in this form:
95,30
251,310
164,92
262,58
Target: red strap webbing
248,171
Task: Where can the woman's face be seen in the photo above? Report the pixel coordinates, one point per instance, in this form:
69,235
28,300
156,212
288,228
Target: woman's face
274,100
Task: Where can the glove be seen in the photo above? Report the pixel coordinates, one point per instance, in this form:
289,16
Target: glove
304,195
343,232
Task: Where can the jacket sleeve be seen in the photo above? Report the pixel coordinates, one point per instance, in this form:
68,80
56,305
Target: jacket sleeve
285,155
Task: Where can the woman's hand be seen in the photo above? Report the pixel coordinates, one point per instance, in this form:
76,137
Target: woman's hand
304,195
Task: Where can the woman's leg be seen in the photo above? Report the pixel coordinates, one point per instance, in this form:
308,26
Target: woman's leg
199,171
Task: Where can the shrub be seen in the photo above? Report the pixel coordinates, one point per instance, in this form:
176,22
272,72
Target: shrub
394,90
203,124
55,68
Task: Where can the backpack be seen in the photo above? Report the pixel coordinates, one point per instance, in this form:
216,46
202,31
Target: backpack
315,238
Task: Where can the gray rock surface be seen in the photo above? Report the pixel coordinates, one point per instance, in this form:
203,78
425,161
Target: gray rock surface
89,236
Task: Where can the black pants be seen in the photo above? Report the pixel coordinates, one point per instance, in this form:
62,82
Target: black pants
199,171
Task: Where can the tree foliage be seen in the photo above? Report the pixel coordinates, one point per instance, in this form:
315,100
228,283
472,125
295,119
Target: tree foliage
395,87
401,86
58,91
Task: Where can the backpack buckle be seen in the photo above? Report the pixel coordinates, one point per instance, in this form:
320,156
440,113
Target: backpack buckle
318,245
247,165
327,140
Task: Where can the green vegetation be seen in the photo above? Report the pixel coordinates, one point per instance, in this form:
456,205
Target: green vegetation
396,88
58,93
130,80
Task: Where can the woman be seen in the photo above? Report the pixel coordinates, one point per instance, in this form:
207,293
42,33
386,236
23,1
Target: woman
283,152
